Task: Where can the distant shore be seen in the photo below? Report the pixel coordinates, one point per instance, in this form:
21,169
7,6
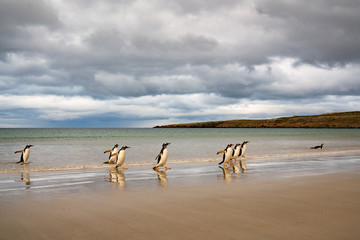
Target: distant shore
326,120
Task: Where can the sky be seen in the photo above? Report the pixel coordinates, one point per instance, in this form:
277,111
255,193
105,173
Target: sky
122,63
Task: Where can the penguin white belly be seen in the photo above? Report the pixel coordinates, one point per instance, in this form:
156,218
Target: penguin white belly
228,155
163,158
121,158
243,151
26,155
237,152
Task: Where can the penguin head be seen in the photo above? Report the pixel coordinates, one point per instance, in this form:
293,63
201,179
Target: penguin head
29,146
165,144
124,147
116,145
229,145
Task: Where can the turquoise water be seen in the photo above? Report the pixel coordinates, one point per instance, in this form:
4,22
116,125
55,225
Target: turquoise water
65,149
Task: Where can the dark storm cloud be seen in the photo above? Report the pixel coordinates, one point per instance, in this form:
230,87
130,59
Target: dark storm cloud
16,16
318,32
189,59
27,12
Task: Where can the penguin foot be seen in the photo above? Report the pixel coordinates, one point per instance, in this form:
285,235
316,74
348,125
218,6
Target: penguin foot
167,168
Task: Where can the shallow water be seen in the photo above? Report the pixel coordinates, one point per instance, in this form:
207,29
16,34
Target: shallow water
76,149
58,184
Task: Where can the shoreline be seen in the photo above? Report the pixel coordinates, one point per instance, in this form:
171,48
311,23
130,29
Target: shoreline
278,198
100,166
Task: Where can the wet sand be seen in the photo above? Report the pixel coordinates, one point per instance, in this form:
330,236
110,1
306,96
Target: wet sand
307,207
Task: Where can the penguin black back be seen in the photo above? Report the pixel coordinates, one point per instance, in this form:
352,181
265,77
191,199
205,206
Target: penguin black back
318,147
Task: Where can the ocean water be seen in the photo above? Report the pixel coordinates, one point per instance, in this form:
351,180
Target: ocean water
77,149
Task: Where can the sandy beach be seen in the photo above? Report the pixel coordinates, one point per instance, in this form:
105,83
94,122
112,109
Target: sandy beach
324,206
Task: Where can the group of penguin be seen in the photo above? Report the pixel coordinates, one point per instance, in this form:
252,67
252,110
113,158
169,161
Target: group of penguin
117,157
230,154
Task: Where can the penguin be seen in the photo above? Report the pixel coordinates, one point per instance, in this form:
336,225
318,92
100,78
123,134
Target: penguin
24,154
318,147
162,157
227,154
242,154
236,152
243,149
112,159
120,157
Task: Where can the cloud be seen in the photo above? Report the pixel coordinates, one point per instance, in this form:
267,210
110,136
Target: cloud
149,111
138,61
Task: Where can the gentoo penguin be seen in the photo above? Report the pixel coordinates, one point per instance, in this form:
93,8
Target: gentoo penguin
120,157
318,147
243,149
24,154
162,157
227,154
112,159
236,152
242,154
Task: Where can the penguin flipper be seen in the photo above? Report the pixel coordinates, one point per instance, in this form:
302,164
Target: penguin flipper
108,151
222,160
222,151
158,157
20,151
240,153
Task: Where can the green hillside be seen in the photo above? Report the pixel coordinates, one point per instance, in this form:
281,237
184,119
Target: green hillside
327,120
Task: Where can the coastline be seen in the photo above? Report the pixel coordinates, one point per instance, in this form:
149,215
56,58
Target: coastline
203,204
324,121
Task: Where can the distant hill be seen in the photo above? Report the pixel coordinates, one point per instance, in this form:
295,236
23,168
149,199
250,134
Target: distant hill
326,120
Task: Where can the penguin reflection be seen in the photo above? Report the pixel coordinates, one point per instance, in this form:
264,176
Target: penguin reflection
25,177
116,176
243,166
227,174
163,180
236,168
